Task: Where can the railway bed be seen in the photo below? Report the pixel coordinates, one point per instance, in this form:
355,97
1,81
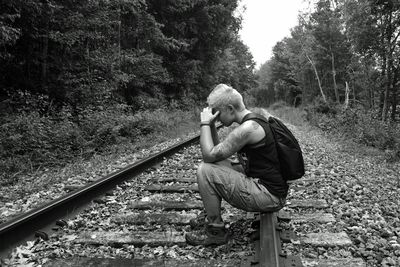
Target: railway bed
142,222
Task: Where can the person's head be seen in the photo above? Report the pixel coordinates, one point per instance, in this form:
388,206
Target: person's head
227,101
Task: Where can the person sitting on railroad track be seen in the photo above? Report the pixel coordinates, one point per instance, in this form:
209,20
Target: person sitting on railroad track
255,185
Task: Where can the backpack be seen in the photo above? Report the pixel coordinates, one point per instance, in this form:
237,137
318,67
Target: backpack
289,151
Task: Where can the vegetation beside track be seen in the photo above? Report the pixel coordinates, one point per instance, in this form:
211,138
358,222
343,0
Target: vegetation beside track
31,143
29,188
353,125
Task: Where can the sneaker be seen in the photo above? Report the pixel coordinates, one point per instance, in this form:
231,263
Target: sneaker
212,234
199,222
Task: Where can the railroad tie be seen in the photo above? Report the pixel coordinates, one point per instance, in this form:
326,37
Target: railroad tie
172,188
311,211
166,205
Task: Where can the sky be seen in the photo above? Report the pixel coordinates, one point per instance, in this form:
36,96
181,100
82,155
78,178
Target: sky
266,22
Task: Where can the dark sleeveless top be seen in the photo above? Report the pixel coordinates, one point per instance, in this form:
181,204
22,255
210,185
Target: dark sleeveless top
260,160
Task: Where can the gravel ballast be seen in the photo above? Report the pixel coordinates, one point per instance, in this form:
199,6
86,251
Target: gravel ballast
355,183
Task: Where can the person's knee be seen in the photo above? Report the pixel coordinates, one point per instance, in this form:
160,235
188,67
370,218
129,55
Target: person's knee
203,171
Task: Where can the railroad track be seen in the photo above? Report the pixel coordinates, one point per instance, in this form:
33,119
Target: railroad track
32,223
140,214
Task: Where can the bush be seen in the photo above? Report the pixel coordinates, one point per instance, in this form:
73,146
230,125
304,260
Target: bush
282,110
357,123
278,105
29,140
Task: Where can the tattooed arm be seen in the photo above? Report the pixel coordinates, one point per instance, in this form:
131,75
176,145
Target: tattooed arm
214,134
233,142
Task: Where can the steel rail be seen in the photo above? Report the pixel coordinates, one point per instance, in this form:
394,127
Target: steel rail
24,226
268,246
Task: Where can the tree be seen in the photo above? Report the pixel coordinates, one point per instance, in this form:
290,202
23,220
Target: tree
84,54
264,93
9,33
204,29
381,19
236,66
331,47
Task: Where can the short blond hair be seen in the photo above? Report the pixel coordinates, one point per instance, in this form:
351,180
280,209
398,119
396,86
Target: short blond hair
224,95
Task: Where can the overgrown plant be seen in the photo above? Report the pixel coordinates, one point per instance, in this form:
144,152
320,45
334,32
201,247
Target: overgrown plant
29,140
358,123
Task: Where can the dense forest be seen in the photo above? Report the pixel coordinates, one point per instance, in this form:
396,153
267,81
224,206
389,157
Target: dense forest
85,53
79,76
341,64
344,51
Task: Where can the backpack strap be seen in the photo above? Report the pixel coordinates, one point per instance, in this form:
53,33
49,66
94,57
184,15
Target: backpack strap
267,127
254,116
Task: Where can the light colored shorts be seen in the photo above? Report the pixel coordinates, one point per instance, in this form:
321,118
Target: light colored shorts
237,189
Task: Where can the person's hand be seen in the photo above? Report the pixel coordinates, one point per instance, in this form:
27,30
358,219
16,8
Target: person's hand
207,116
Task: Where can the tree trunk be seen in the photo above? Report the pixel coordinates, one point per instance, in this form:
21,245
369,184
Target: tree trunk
317,76
384,60
388,89
44,56
385,104
88,56
334,78
119,36
382,94
394,94
389,50
346,101
394,105
371,93
389,75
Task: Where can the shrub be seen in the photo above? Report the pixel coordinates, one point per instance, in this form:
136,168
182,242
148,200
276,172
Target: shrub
29,140
282,110
357,123
278,105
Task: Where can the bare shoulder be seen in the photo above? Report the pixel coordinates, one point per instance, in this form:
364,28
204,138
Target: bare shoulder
254,131
249,126
240,132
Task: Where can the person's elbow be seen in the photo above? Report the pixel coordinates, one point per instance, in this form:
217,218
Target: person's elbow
209,158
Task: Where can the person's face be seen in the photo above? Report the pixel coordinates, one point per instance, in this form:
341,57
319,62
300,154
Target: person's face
226,116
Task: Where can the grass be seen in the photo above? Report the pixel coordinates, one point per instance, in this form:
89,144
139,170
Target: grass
31,142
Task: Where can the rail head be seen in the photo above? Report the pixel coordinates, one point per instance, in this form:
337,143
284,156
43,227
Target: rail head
268,247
